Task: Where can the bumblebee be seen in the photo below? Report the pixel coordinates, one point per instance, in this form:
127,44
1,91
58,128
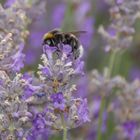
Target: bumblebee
55,37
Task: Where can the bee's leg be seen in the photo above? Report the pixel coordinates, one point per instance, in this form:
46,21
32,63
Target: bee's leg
76,53
74,50
74,45
59,41
58,52
58,48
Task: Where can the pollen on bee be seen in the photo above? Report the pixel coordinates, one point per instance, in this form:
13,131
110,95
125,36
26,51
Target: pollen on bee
48,35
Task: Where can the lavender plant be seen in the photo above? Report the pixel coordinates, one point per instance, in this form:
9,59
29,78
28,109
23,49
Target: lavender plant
118,37
13,33
14,114
58,75
30,104
47,101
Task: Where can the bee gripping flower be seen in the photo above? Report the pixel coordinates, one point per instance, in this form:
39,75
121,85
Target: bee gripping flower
59,73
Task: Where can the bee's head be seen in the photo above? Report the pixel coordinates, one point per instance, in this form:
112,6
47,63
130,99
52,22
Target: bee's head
48,39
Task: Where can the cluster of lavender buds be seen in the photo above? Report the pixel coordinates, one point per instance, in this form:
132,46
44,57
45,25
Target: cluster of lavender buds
13,32
115,95
125,108
123,14
32,107
58,94
14,114
54,102
16,16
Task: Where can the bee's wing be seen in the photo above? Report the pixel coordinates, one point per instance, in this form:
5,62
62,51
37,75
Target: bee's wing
56,31
76,33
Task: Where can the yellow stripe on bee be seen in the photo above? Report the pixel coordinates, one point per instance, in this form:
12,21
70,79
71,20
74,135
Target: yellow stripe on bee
48,35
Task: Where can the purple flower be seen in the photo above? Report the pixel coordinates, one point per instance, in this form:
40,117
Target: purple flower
58,101
39,130
88,25
96,107
9,3
18,59
120,12
134,73
83,112
31,56
129,129
46,71
119,1
59,72
58,15
79,66
112,31
39,121
85,21
14,108
82,88
83,8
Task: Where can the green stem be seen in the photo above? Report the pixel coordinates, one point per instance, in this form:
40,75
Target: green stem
103,101
99,134
111,63
118,62
65,133
68,23
64,128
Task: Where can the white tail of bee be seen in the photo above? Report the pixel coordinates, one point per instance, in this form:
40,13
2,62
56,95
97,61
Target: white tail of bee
81,51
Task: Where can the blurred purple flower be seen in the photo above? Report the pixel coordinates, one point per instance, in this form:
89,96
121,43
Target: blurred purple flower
112,31
88,26
123,16
58,15
83,8
31,56
129,129
119,1
9,3
96,107
84,21
82,88
83,112
37,32
101,6
134,73
91,134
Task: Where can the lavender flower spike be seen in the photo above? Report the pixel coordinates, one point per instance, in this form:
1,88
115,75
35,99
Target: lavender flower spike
58,75
119,34
14,115
12,35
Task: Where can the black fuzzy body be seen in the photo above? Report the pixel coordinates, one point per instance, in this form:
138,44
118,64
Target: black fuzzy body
59,37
